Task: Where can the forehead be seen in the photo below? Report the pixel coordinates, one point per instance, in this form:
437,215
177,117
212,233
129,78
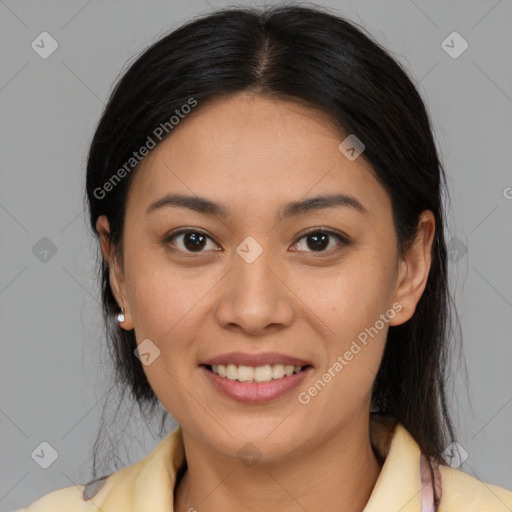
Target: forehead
245,150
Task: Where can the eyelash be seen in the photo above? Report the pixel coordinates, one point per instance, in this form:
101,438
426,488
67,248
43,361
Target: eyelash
344,241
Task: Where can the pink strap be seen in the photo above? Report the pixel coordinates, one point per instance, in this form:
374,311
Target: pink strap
431,487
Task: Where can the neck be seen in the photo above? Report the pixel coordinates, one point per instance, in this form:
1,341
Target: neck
340,469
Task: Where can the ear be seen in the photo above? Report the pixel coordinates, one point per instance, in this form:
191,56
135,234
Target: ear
117,280
414,269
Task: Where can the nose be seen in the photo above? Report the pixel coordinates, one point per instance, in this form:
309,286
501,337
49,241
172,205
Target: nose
255,297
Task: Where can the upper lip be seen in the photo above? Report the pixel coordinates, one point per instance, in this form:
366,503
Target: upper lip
241,358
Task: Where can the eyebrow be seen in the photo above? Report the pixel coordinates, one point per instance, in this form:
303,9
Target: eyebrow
207,207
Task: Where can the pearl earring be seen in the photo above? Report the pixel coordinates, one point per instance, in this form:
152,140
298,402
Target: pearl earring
120,316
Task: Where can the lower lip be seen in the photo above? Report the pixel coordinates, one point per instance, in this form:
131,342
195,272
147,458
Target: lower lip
255,392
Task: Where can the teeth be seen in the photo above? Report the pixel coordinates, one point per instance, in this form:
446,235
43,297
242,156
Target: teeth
259,374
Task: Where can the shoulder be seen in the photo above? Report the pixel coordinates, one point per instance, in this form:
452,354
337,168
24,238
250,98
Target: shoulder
461,491
116,487
118,490
68,498
79,498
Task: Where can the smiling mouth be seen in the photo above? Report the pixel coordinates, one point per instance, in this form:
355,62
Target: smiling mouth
249,374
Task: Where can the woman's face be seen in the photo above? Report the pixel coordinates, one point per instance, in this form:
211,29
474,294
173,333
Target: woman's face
249,279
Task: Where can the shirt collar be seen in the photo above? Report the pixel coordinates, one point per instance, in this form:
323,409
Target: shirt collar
151,481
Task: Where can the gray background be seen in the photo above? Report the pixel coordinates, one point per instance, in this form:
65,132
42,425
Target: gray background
53,367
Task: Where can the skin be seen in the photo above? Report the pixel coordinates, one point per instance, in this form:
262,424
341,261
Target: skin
253,154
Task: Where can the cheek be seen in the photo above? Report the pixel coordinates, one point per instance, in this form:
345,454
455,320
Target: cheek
169,307
165,308
347,307
351,353
163,299
346,298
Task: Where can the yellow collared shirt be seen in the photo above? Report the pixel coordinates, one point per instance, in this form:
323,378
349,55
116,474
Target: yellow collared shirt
148,484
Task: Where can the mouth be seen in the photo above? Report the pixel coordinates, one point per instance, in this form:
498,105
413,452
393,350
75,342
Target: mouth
255,374
255,384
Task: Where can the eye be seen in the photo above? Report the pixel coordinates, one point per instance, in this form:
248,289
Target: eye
195,240
319,239
189,240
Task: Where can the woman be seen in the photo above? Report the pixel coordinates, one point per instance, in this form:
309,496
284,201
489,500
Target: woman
267,195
